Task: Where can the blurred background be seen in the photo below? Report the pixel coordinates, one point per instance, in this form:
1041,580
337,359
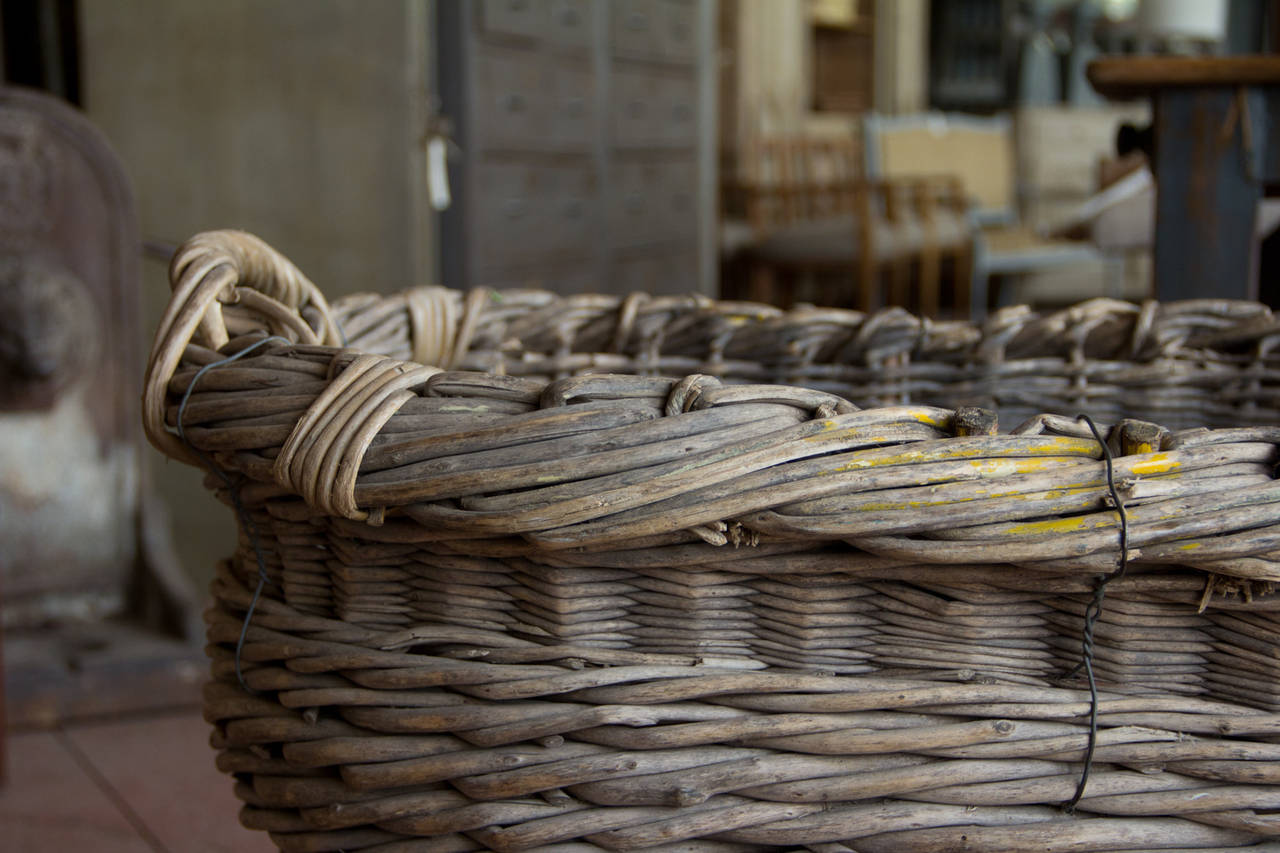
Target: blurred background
945,156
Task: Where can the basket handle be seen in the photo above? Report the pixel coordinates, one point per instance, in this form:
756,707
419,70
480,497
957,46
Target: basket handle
216,269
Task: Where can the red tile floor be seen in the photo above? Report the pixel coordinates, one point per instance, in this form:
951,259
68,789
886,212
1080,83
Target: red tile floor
145,783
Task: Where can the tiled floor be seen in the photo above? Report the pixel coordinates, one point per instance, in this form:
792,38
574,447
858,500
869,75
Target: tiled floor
145,784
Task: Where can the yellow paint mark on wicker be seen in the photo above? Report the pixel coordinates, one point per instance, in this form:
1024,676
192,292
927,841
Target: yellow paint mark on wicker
1155,463
1052,494
1059,525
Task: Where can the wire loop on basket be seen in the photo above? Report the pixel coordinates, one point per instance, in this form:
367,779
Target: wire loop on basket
1094,611
233,491
210,271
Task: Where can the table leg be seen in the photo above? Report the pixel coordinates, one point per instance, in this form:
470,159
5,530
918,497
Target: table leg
1208,144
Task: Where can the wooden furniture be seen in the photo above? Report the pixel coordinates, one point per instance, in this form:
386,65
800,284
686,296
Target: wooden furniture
808,212
843,35
98,616
795,178
979,151
584,148
1216,149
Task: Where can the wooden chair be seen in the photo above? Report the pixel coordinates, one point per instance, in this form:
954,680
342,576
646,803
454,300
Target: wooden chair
809,212
978,151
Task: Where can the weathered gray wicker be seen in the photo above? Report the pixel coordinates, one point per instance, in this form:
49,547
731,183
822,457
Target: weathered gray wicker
548,598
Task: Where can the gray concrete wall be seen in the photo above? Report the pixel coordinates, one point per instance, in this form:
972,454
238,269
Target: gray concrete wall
298,120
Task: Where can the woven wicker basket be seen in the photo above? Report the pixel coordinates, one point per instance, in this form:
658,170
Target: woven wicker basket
545,596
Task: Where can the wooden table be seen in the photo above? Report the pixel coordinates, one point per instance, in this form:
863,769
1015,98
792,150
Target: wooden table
1216,149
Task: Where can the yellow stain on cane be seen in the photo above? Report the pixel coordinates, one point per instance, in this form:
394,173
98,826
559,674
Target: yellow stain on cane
1060,525
1155,463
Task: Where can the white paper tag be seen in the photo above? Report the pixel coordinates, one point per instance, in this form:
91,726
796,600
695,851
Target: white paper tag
438,173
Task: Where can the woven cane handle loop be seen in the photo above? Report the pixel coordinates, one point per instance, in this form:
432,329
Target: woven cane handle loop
441,329
230,268
322,456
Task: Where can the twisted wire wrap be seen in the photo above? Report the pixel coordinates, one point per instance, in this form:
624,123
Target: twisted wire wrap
1094,611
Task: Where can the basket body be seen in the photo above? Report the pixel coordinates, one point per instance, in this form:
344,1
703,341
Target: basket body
638,574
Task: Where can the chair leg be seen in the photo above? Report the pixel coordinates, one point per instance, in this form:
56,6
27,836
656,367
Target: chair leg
964,272
4,755
762,283
900,282
865,283
805,287
930,276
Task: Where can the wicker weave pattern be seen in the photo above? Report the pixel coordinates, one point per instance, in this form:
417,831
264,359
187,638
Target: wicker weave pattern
1202,363
534,606
440,731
